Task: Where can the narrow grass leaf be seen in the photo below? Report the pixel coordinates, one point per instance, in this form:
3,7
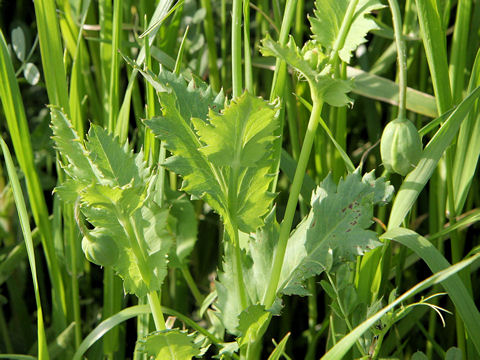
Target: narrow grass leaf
467,148
434,42
52,53
19,132
27,235
455,288
161,11
380,88
128,313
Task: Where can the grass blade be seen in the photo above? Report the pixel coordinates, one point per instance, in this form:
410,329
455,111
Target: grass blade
27,235
468,148
380,88
435,48
454,286
18,128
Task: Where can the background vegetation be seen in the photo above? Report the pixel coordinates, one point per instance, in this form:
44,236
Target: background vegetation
75,56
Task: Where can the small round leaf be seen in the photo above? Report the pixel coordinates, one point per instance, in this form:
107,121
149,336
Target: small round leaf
18,43
31,73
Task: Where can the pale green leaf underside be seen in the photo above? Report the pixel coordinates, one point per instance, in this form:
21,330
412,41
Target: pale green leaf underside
329,16
150,221
199,177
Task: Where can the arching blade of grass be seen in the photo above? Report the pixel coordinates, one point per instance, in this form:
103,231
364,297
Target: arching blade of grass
344,345
454,286
27,235
380,88
417,178
20,136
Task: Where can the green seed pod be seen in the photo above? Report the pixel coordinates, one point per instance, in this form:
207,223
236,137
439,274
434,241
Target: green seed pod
400,146
101,251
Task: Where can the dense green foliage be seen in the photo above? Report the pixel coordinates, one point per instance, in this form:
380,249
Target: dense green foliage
206,180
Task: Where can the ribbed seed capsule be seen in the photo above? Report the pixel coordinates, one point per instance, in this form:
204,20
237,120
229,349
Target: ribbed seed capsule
400,146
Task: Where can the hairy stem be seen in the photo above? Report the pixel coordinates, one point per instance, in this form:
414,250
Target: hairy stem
402,58
340,41
237,48
286,225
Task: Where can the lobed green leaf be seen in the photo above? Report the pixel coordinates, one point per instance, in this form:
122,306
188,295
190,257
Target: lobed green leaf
329,16
213,150
336,226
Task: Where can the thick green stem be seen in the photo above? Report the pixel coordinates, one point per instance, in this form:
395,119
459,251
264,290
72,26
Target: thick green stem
150,143
286,225
340,41
402,58
223,41
157,313
237,48
74,281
